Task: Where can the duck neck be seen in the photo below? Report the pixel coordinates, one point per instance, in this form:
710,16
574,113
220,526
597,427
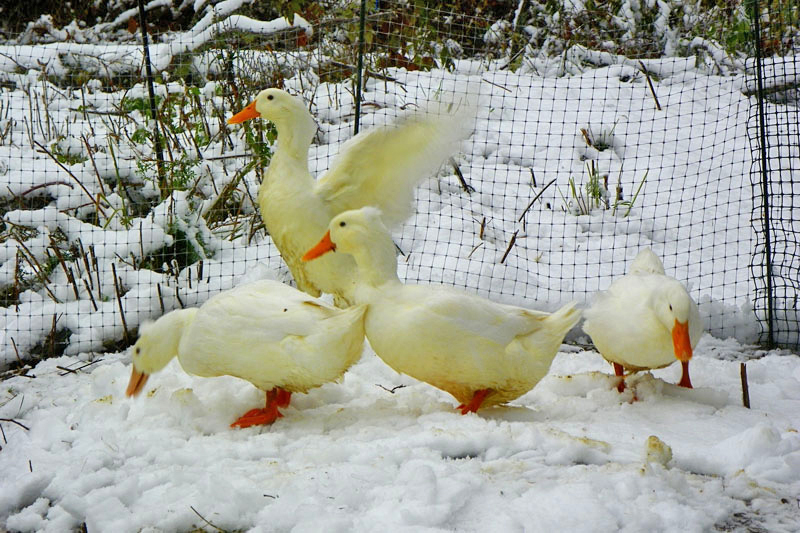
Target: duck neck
377,264
166,334
294,138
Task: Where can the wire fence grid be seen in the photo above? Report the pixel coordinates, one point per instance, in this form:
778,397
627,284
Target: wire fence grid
774,128
590,143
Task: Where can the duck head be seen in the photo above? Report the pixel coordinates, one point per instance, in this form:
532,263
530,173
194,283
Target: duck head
673,306
362,234
157,345
350,232
271,104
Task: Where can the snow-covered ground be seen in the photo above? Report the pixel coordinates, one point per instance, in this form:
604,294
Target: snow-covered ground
379,449
571,455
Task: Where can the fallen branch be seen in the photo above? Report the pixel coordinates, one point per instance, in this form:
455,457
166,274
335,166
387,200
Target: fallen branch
20,424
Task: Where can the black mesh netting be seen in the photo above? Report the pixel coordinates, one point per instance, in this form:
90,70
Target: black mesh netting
593,139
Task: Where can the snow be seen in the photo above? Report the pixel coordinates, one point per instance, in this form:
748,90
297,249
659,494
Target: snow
379,450
570,455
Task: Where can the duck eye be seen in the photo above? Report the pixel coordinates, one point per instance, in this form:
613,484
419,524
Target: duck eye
670,307
342,224
270,97
138,350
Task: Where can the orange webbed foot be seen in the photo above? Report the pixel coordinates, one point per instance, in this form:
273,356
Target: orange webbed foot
475,403
277,397
257,417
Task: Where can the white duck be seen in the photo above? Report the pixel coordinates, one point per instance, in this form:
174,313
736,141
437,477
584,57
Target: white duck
483,353
379,167
272,335
645,320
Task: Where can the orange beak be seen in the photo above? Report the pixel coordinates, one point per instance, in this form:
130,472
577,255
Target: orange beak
680,341
247,113
136,383
324,246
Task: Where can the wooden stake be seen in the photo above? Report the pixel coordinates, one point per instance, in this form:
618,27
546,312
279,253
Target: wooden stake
745,387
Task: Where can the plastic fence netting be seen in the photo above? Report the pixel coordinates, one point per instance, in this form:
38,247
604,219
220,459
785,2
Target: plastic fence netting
587,147
774,127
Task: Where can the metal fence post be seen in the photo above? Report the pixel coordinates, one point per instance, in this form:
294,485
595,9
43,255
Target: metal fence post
151,90
755,13
360,67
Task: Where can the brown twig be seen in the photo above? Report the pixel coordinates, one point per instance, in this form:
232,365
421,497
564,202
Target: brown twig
89,290
53,332
141,241
160,298
74,177
40,273
71,277
96,270
74,370
510,245
16,288
20,424
496,85
16,350
94,165
650,84
48,184
119,302
178,296
538,195
204,519
474,250
587,137
464,185
86,262
393,389
61,261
